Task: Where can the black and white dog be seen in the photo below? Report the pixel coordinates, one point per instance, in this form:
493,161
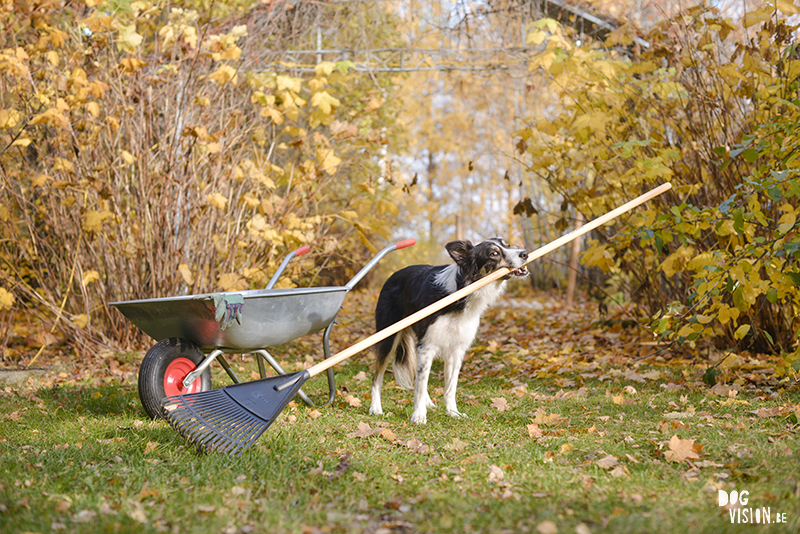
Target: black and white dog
448,333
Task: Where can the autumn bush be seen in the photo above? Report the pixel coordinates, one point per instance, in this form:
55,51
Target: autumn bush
712,106
146,151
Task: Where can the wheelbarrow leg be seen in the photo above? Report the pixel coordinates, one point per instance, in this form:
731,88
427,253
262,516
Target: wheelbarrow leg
327,349
225,365
275,365
194,375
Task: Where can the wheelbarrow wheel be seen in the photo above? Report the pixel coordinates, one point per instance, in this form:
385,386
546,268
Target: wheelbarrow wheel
162,372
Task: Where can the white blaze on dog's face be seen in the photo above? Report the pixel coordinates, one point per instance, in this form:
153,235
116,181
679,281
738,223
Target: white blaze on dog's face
476,261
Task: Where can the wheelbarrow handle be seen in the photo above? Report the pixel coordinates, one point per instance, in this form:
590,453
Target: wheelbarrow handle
374,261
282,267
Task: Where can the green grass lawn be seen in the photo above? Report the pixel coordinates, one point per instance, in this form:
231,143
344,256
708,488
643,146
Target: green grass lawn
553,443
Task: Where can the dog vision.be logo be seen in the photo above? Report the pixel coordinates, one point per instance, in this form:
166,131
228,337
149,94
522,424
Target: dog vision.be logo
739,514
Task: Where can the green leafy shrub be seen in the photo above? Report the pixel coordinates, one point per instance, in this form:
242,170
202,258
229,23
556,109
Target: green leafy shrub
712,107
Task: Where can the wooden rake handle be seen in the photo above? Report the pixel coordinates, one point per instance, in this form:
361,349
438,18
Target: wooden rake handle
496,275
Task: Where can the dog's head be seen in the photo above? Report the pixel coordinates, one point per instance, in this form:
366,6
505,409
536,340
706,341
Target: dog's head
476,261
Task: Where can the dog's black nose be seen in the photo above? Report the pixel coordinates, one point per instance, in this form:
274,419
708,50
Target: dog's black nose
523,255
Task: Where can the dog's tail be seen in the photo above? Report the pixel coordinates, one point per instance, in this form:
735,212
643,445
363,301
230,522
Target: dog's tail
405,360
403,347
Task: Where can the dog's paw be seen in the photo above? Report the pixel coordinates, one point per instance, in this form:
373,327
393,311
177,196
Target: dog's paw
376,410
456,414
429,403
419,419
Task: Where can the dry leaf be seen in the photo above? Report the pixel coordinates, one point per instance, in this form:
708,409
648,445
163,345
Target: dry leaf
353,401
619,471
313,414
151,446
500,403
364,431
388,435
682,449
360,376
495,474
547,527
608,462
534,431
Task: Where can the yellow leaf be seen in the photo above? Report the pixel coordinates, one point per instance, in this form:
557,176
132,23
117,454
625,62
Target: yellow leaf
786,222
327,160
8,118
202,101
217,200
93,108
224,74
80,320
373,104
128,40
288,82
682,449
324,101
52,57
755,17
128,157
726,313
741,331
190,36
132,64
787,7
186,274
93,220
7,298
39,180
90,276
325,68
231,282
22,141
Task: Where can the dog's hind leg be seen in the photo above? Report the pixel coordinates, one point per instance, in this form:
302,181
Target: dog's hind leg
382,359
375,407
452,366
422,399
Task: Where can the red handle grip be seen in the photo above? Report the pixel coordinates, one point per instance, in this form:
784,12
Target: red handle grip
405,243
302,250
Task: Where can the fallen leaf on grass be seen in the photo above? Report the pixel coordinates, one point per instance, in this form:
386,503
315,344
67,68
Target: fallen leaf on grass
151,446
417,446
547,527
360,376
313,414
496,474
456,445
681,450
352,401
542,418
607,462
364,431
619,471
534,431
500,403
388,434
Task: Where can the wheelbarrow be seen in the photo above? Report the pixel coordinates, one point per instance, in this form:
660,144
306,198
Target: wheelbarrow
193,331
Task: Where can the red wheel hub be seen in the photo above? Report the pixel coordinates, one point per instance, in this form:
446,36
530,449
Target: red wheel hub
176,372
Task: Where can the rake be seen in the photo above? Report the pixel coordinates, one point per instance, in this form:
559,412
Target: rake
231,419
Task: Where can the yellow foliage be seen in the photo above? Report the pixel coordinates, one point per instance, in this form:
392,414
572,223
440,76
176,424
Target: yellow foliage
7,298
217,200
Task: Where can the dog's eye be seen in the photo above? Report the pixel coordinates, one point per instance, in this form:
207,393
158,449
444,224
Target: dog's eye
494,254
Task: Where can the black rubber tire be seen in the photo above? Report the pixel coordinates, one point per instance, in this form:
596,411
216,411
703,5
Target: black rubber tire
154,366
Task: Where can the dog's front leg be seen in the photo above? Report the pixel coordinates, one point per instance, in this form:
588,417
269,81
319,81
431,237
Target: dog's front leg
452,366
421,398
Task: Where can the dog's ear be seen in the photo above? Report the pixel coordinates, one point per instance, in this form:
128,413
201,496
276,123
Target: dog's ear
459,250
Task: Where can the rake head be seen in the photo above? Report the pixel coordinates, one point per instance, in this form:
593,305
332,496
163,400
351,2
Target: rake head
230,419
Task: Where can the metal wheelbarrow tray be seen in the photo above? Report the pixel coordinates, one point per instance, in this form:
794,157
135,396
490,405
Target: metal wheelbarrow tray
193,331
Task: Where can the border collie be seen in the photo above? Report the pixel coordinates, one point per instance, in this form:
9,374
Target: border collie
448,333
